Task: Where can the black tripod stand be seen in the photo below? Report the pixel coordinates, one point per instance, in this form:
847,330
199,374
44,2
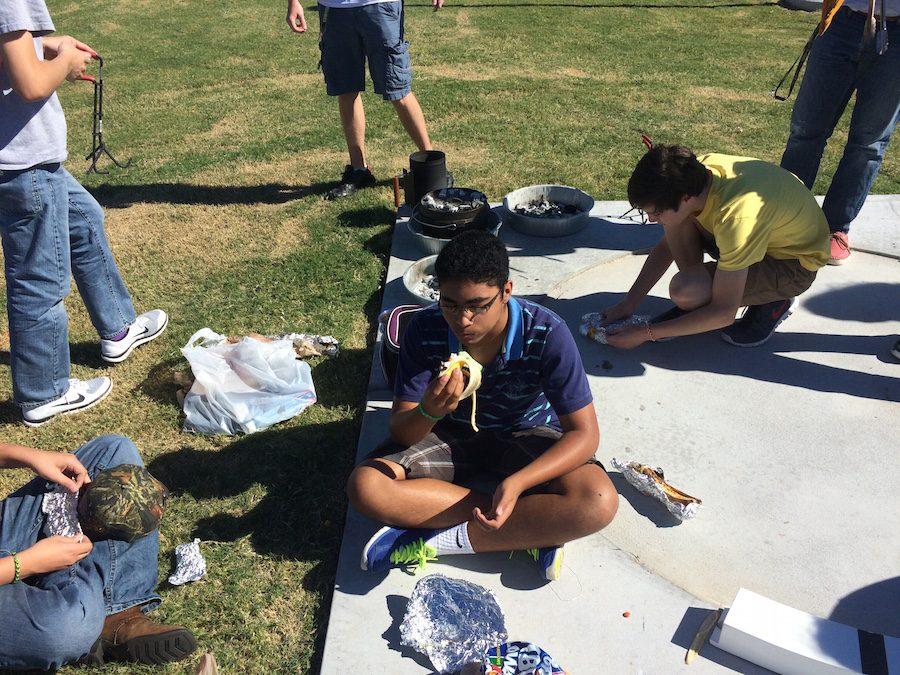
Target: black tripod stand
98,146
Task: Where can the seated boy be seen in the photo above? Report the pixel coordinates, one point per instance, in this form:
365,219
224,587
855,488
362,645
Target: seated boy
537,428
763,227
66,599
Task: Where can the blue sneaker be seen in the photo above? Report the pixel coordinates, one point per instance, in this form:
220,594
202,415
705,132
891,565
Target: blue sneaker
394,546
549,560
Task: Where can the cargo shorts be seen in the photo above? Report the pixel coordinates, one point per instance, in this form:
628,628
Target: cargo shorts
768,280
350,36
456,454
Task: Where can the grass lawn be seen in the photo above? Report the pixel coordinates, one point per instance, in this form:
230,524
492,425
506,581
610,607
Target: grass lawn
221,221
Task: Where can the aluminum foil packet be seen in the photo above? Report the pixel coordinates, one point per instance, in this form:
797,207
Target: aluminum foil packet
306,344
520,658
592,325
190,565
453,622
60,509
652,482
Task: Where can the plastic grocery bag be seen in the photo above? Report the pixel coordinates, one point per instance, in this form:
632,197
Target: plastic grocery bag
244,386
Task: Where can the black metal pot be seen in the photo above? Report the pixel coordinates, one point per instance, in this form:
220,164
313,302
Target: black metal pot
450,230
463,216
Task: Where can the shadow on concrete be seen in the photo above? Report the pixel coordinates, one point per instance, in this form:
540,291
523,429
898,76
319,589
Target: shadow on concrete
646,506
707,352
873,608
601,234
686,631
396,605
867,302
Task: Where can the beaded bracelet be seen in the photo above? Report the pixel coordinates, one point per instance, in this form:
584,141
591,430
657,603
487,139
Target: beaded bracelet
424,413
17,568
650,332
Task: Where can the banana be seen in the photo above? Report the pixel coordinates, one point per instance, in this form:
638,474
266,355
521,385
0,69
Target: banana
702,636
471,371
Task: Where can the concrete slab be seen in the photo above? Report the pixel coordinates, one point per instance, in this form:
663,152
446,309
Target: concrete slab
798,497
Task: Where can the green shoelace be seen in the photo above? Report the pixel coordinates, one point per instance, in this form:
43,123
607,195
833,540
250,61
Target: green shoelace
416,553
533,552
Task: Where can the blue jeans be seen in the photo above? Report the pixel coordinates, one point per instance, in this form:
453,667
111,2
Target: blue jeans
352,35
55,618
838,67
52,230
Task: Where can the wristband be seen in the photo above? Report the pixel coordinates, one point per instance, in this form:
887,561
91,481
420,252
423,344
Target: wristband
425,414
17,568
650,332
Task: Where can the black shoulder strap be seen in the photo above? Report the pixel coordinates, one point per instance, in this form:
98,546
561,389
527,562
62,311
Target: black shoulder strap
798,65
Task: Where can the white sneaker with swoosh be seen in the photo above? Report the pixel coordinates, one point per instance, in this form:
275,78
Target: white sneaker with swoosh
146,327
81,395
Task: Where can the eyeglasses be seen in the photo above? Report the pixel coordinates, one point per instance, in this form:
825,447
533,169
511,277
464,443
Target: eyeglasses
646,217
474,310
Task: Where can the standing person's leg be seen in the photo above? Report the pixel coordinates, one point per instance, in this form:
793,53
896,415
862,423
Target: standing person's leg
824,92
344,67
100,284
871,125
353,122
410,113
34,229
96,274
389,64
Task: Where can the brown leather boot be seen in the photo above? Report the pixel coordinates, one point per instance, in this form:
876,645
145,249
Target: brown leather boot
130,636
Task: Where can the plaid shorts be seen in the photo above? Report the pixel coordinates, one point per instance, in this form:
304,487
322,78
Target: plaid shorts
454,453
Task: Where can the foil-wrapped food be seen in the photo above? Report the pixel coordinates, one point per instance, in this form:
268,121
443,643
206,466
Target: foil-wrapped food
652,482
60,509
592,325
453,622
428,288
543,207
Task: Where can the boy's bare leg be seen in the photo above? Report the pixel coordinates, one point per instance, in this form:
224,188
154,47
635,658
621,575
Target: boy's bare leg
691,287
583,502
410,113
353,121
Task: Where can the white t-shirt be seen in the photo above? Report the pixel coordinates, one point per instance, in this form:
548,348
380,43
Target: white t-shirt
30,133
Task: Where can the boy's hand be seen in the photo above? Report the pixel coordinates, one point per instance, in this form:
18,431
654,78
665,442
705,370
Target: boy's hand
628,337
61,468
618,312
52,45
77,53
53,553
442,396
505,497
295,18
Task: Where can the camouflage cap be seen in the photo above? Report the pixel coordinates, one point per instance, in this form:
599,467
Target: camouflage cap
124,502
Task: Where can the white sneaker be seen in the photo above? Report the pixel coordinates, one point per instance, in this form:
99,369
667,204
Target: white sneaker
146,327
80,396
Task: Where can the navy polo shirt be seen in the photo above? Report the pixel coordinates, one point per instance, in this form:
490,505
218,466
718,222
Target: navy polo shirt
537,376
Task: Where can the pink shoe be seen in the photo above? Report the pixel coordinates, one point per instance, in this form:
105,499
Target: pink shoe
840,248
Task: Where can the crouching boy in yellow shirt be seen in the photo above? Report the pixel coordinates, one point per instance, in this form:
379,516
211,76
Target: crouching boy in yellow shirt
762,226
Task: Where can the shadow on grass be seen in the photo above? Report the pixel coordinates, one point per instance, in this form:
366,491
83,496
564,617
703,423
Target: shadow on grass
121,196
590,5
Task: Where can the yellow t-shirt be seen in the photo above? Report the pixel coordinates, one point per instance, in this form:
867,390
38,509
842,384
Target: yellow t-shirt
756,208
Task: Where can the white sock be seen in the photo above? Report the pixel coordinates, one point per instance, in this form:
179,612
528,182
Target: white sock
452,540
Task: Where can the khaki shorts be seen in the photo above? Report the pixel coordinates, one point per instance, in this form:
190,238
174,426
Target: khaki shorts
772,279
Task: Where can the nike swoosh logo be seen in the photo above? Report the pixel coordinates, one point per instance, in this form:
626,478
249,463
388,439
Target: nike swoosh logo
78,400
458,542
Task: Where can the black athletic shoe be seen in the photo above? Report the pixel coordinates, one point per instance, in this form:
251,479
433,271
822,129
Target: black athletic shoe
758,323
672,313
352,180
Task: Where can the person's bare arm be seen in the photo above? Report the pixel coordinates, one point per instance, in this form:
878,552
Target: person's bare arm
656,264
33,79
408,426
581,436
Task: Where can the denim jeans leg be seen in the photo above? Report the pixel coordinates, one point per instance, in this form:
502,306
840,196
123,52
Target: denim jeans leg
871,125
824,92
34,230
101,286
50,622
128,571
